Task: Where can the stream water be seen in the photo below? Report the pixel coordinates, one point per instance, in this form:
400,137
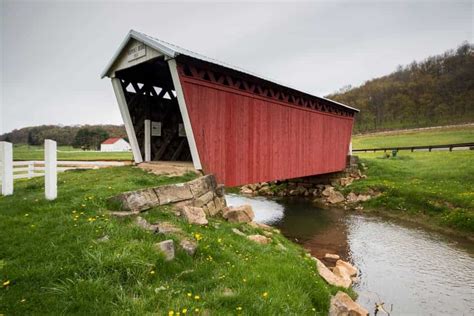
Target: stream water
411,270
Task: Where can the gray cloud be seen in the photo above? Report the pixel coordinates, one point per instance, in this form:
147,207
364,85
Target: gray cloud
52,52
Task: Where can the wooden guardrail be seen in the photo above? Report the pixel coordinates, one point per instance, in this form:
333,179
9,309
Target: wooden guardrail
413,148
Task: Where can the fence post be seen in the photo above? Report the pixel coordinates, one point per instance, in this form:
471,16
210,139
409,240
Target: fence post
50,170
147,139
6,169
31,167
350,149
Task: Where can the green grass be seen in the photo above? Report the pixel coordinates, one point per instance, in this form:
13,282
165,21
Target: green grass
432,187
441,136
51,254
24,152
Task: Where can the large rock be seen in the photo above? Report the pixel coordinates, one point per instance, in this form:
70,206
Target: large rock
135,201
327,190
335,197
345,181
343,305
330,277
351,198
173,193
331,257
239,214
189,246
166,248
143,223
204,199
259,239
349,267
202,185
195,215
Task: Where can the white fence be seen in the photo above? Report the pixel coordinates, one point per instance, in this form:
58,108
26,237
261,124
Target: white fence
10,170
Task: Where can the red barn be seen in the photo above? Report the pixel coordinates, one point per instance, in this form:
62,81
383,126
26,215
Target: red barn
180,106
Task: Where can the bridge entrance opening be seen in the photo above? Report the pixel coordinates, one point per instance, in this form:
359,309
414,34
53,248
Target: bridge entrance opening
154,111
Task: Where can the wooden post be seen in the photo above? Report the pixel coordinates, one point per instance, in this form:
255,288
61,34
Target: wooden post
147,140
122,102
31,168
6,171
50,170
350,149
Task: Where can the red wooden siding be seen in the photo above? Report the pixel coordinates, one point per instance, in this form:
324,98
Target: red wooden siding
243,138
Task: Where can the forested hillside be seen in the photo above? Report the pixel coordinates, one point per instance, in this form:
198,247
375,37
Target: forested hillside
79,135
436,91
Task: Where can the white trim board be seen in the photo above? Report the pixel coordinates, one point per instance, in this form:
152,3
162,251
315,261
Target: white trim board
122,102
184,113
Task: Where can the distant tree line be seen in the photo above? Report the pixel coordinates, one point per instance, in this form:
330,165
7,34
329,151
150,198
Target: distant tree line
436,91
85,136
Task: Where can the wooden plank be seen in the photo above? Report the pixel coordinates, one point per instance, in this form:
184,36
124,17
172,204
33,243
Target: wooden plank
119,94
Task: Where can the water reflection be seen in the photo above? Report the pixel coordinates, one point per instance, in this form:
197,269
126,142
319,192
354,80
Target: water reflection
417,271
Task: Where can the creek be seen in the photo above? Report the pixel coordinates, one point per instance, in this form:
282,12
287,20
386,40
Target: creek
412,270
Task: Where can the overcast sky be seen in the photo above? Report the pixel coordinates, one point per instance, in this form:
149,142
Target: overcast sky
53,52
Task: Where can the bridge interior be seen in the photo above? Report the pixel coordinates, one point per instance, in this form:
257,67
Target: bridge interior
150,95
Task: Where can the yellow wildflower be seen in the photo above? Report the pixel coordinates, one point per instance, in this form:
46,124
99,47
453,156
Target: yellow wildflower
170,313
184,311
239,308
197,297
23,300
219,240
189,295
198,236
265,294
196,310
27,214
152,272
6,283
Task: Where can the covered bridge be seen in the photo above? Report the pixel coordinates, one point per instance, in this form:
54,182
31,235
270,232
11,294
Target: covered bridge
181,106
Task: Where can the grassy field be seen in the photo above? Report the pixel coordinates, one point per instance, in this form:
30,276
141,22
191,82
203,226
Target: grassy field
439,136
24,152
434,188
52,260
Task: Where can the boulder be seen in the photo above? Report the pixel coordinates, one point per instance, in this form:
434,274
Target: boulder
259,239
135,201
204,199
211,208
239,214
345,181
195,215
166,248
173,193
245,190
343,273
349,267
351,197
189,246
335,197
330,277
201,185
331,257
327,190
143,223
343,305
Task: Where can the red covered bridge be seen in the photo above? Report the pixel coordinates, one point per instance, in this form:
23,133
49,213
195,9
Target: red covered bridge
180,106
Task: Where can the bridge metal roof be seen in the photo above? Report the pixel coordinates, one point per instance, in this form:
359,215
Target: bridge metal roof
172,51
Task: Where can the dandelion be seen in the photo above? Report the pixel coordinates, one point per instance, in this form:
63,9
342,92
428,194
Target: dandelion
265,294
6,283
196,310
239,308
219,240
152,272
198,236
184,310
313,309
26,215
245,280
189,294
170,313
23,300
197,297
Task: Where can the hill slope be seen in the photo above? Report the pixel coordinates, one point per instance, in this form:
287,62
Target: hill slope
436,91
